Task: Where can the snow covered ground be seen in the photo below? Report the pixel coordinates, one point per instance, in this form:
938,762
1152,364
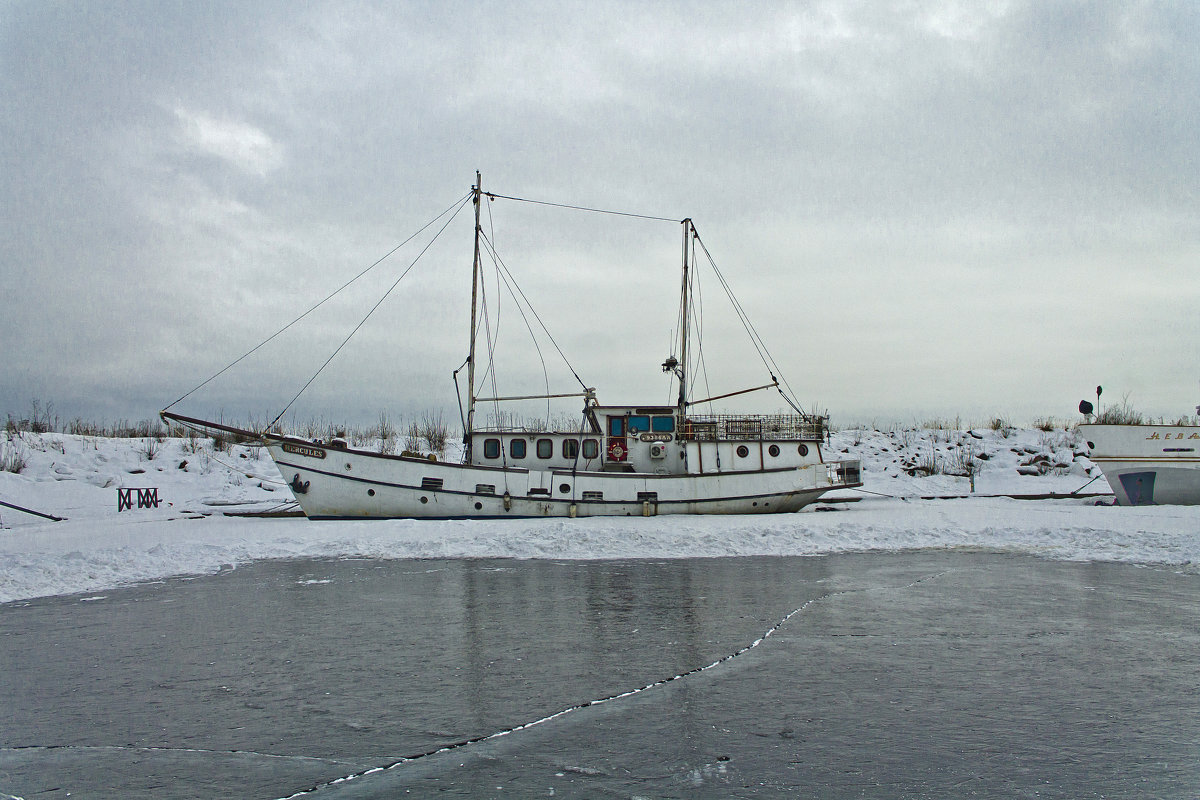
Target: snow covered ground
98,547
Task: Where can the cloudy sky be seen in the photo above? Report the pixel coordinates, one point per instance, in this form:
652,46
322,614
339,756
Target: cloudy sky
927,209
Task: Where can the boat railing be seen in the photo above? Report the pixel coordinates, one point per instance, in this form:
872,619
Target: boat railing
721,427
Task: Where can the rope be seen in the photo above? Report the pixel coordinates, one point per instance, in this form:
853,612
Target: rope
491,196
264,342
500,262
357,327
509,282
755,339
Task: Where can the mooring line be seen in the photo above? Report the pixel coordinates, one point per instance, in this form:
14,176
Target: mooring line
592,703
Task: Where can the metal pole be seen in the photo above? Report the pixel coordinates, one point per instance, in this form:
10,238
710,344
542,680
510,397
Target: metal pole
474,301
31,511
683,354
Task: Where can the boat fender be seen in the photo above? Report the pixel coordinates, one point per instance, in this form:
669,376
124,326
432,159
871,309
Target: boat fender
507,501
298,486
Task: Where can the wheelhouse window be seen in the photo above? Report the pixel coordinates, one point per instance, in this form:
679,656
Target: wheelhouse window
662,424
639,423
491,448
591,449
616,426
570,448
545,448
516,448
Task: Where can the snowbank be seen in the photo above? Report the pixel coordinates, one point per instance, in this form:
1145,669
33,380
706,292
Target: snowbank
98,547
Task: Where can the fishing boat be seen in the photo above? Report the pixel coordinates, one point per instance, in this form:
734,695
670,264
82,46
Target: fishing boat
1148,464
641,459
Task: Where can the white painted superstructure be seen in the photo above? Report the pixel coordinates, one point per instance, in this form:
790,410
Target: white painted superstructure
616,469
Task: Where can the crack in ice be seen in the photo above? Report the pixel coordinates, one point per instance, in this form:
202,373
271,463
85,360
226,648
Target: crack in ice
601,701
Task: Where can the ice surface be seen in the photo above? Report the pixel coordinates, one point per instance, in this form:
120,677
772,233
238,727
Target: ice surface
98,548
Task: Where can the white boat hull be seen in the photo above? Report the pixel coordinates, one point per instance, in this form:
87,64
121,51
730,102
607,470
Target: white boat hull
1148,464
335,483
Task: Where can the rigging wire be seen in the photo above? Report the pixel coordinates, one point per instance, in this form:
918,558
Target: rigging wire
698,315
491,196
459,203
378,303
755,339
492,349
509,283
490,372
500,262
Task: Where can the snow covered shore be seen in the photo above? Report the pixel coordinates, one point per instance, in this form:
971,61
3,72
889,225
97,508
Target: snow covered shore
98,548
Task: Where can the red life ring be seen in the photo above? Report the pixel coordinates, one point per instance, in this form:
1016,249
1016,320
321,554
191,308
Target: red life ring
617,449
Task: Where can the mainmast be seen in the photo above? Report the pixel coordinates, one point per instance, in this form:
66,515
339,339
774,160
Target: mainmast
683,354
474,301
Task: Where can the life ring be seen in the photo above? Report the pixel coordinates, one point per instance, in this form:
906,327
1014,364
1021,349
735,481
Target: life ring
617,449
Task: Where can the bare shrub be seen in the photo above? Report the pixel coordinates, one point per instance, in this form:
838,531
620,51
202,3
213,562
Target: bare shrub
1044,424
81,427
929,463
41,419
192,442
387,434
965,461
412,438
433,429
12,457
1122,414
903,437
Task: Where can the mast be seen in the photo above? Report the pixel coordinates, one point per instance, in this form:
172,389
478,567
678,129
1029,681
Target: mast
683,354
474,301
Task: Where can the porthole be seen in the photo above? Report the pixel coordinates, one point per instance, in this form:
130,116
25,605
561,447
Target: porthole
370,492
424,499
347,465
478,506
564,488
802,449
773,450
743,451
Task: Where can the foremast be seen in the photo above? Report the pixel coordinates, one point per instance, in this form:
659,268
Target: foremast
475,267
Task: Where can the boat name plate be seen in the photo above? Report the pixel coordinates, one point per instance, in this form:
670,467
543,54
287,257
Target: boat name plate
655,437
303,450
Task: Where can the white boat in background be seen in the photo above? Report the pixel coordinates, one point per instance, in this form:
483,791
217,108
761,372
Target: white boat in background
630,459
1148,464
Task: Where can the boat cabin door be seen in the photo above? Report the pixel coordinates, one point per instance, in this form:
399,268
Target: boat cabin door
617,446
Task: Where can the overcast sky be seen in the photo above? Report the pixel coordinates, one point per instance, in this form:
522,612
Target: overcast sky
927,209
